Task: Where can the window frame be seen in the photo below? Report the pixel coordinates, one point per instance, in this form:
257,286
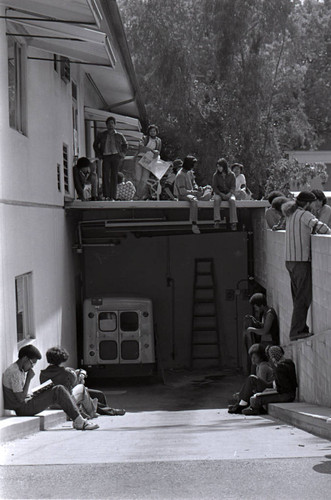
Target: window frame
19,50
28,330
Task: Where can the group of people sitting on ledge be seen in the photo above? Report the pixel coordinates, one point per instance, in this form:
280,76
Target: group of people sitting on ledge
178,183
63,387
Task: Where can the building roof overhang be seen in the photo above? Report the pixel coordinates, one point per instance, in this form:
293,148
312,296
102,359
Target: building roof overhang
103,223
87,32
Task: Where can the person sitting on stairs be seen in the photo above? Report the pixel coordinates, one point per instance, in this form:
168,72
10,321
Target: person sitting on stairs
254,383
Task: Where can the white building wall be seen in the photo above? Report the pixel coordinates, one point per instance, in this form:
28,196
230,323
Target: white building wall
37,236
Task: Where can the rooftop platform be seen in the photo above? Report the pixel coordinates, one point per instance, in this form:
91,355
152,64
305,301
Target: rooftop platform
100,222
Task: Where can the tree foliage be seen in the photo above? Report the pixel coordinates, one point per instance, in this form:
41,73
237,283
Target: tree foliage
247,80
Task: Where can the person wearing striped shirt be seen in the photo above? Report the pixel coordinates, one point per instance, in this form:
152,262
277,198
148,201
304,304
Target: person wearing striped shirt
300,224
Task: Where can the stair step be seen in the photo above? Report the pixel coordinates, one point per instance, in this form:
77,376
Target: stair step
206,343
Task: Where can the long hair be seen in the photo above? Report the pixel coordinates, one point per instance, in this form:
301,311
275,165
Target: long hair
189,162
223,163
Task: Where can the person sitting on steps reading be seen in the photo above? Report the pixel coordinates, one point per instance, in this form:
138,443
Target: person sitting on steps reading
16,383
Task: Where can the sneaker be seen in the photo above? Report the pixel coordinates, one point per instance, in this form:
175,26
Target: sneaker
251,411
236,409
85,426
114,411
195,228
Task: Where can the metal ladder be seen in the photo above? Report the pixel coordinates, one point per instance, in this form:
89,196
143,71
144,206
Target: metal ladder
205,345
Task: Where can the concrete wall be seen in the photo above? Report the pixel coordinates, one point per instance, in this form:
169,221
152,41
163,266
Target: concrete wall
49,257
141,266
312,356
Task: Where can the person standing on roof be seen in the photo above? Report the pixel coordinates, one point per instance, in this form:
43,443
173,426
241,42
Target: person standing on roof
111,147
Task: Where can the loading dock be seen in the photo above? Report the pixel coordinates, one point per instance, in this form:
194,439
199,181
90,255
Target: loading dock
148,249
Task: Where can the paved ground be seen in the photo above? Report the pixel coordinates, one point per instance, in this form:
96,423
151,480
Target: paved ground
181,445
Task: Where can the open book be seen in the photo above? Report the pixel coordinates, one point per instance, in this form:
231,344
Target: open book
42,387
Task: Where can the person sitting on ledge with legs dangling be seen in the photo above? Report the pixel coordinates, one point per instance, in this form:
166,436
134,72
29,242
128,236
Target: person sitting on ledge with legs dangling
224,187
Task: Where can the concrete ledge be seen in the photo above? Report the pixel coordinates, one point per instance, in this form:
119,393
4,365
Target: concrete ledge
51,418
15,427
310,418
18,427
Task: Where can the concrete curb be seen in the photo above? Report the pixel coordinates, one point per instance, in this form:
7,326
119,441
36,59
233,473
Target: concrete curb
310,418
17,427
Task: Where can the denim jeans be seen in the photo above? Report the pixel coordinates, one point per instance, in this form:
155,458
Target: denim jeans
232,207
57,395
261,399
251,385
110,167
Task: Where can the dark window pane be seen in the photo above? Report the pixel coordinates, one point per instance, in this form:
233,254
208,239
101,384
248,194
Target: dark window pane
130,349
108,349
129,321
107,322
12,81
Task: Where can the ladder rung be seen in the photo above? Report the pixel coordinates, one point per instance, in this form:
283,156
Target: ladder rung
213,315
203,273
207,357
204,301
205,343
204,287
205,329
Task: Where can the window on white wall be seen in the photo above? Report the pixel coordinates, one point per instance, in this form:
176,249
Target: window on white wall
56,63
74,92
16,85
24,311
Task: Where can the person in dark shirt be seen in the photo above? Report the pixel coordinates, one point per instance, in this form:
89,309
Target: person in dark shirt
264,330
284,385
224,187
74,381
111,147
262,380
86,181
272,216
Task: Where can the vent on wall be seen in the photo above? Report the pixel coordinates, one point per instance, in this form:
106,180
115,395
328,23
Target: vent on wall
65,168
65,69
58,174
